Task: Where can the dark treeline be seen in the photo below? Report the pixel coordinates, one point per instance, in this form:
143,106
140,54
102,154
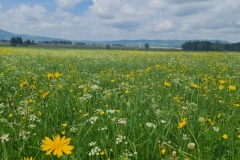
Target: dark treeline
210,46
14,41
56,42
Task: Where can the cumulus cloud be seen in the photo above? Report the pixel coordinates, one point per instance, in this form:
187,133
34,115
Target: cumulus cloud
132,19
67,3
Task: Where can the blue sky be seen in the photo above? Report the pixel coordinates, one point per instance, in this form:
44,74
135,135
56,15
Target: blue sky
123,19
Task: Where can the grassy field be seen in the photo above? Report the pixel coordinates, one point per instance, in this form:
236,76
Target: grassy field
119,105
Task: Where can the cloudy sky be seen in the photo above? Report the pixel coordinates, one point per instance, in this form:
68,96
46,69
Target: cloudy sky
123,19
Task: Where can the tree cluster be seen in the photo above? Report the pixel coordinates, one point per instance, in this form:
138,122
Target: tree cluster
56,42
210,46
14,41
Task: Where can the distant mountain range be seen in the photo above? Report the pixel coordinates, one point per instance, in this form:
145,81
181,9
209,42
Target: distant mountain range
153,43
8,35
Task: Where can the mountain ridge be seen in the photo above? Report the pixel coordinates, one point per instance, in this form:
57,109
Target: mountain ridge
5,35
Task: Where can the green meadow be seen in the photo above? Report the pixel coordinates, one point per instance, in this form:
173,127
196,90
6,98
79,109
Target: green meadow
119,104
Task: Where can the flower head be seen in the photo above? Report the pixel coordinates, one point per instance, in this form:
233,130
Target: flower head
183,123
28,158
58,145
232,88
167,84
225,136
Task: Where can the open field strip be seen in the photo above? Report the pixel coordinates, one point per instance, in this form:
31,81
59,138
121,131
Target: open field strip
119,105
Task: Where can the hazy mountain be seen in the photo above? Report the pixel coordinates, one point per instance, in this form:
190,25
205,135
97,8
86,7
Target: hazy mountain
153,43
8,35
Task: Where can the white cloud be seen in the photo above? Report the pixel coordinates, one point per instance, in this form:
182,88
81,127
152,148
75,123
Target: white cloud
128,19
67,3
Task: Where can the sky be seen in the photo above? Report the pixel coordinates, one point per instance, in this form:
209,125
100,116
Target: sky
123,19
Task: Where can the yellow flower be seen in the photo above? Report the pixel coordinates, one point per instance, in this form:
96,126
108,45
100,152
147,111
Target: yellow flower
225,136
222,81
232,88
64,125
10,115
186,158
32,88
236,105
58,146
163,151
59,86
50,75
45,94
167,84
28,158
112,81
23,83
102,153
39,113
30,101
195,86
183,123
221,87
102,112
239,136
57,75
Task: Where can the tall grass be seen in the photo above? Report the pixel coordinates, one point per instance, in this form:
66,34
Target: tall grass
120,104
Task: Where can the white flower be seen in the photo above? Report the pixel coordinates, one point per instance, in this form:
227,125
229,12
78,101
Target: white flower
185,137
92,143
92,120
95,87
163,121
191,146
201,119
216,129
119,139
151,125
122,121
73,129
111,111
4,137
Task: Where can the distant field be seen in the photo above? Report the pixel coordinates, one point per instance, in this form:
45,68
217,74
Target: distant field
119,104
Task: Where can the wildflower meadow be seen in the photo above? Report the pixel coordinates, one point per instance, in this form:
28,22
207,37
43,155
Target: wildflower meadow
76,104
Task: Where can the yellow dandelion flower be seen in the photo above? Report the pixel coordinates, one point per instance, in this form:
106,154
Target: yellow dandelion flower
10,115
57,75
58,146
183,123
112,81
102,112
225,136
30,101
163,151
50,75
222,81
232,88
28,158
102,153
221,87
167,84
39,113
32,88
236,105
86,114
195,86
60,86
64,125
23,83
